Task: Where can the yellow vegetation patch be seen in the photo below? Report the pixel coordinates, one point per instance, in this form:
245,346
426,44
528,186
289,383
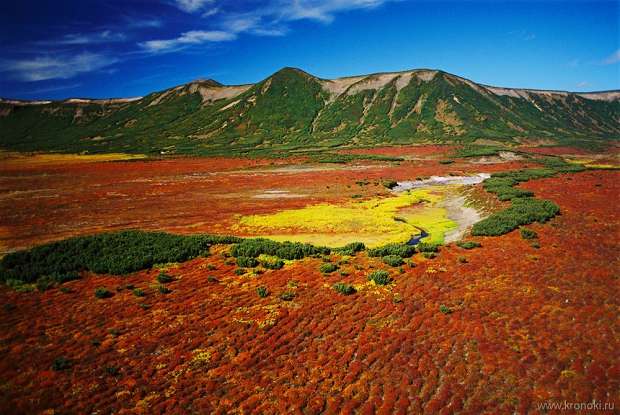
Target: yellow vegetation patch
57,158
375,222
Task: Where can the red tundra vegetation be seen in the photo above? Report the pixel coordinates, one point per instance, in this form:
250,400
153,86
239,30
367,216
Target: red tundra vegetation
497,329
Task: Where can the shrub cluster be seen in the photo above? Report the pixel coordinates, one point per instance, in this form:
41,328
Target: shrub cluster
164,278
522,212
107,253
344,289
328,268
528,233
287,250
393,260
468,244
351,249
427,247
271,262
103,293
247,262
502,183
262,292
401,250
380,277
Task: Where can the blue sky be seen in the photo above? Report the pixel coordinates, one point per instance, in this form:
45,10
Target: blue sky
121,48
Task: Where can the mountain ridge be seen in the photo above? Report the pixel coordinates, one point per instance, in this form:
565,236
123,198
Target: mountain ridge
217,84
292,109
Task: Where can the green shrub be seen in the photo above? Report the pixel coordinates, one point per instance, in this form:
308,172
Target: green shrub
103,293
164,278
262,292
106,253
351,249
380,277
468,244
45,283
401,250
61,363
344,289
445,309
528,233
446,161
239,271
286,250
390,184
429,255
427,247
247,262
522,212
271,262
463,260
138,292
287,296
112,371
393,260
163,289
328,268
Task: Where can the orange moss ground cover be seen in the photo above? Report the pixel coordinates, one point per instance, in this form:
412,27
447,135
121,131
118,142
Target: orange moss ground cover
527,325
40,203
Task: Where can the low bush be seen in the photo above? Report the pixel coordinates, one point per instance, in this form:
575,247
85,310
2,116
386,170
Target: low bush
390,184
239,271
61,363
393,260
445,309
164,278
401,250
328,268
446,161
287,250
103,293
522,212
106,253
351,249
271,262
163,289
262,292
528,233
247,262
427,247
429,255
138,292
287,296
344,289
380,277
468,244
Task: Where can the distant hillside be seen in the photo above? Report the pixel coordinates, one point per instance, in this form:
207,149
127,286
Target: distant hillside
294,110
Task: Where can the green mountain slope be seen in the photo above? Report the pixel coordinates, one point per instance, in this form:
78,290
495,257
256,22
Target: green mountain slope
292,109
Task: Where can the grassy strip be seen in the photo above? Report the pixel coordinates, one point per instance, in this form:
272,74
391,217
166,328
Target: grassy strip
253,248
107,253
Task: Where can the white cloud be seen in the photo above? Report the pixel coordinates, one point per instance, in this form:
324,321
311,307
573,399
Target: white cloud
191,6
583,84
210,12
613,58
194,37
323,10
105,36
56,67
266,18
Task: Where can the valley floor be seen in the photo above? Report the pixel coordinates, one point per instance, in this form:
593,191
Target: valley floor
524,326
